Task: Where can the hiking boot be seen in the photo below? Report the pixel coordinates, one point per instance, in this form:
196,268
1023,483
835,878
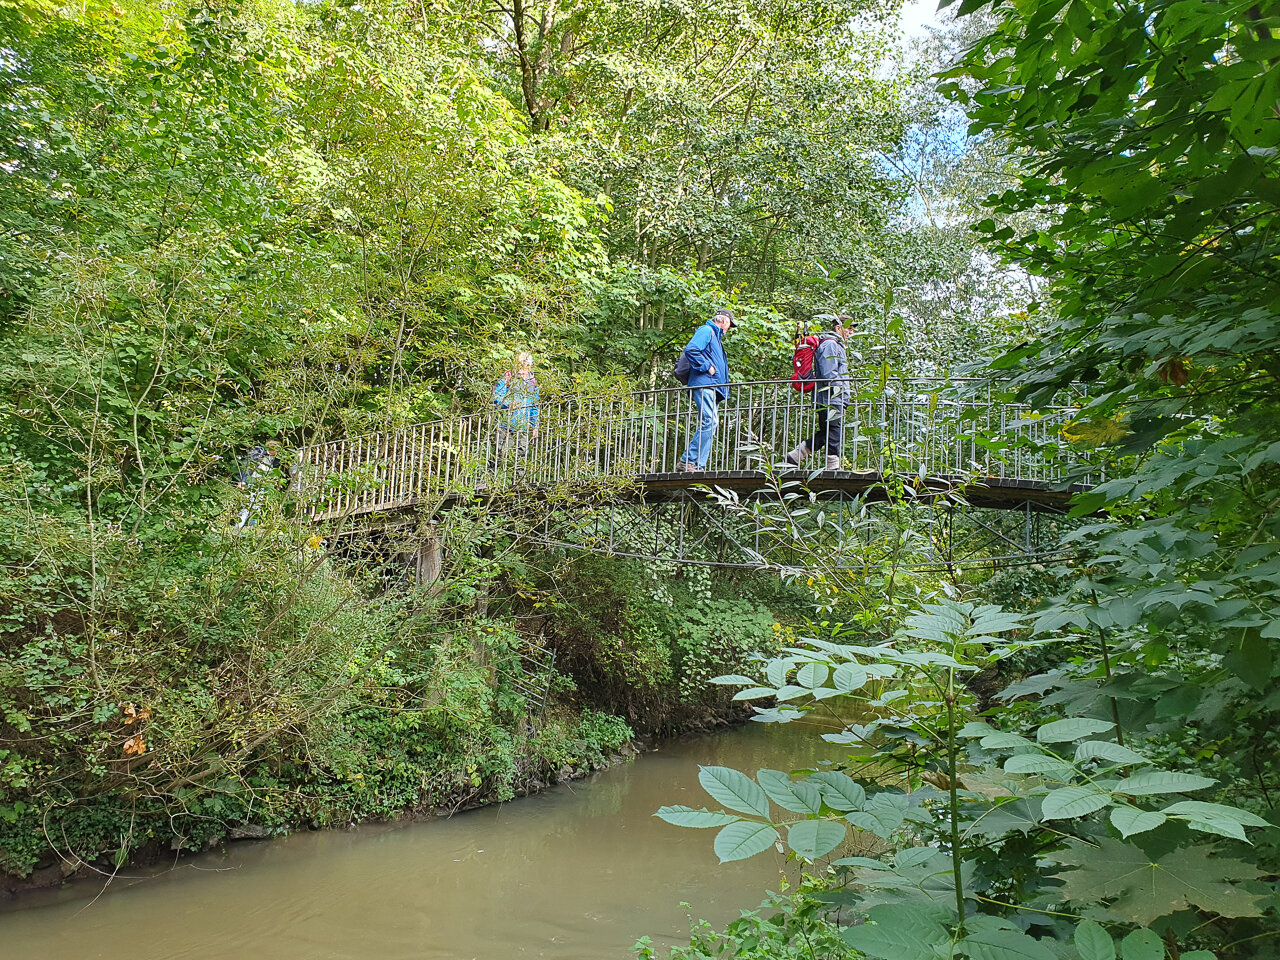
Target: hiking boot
833,462
796,456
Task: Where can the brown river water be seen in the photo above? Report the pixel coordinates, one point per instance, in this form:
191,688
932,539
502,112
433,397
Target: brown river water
578,872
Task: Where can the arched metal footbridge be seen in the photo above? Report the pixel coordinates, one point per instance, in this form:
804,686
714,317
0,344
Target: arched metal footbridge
933,435
928,440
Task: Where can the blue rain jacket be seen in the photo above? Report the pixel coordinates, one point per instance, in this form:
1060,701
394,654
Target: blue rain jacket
517,397
705,350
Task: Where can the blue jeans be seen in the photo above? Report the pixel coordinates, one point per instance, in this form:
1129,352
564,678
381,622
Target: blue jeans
699,448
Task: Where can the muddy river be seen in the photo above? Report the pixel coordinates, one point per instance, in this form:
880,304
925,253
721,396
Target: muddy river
578,872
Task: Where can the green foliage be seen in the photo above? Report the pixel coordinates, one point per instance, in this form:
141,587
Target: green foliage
784,927
1062,793
229,224
646,643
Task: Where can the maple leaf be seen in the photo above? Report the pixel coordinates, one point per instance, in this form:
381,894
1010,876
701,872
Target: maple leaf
1140,889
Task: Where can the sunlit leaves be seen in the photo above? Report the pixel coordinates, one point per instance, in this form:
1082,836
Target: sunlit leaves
1051,767
1107,750
882,814
839,790
1001,740
901,932
849,677
993,938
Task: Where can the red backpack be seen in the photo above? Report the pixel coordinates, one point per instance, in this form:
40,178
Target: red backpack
802,375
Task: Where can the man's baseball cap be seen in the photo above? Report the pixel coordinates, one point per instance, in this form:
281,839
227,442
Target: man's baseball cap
726,312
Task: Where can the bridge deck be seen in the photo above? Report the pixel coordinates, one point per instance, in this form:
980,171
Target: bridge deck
992,492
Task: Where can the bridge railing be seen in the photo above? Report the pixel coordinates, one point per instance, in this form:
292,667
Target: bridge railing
920,427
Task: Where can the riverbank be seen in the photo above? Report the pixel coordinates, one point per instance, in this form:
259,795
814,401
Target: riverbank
578,871
57,872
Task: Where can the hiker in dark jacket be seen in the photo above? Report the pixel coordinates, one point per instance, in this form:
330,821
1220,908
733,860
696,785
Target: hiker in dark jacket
831,395
709,384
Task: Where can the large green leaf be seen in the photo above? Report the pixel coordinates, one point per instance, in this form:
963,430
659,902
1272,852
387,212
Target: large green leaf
1068,803
812,839
1141,945
1004,945
1093,942
732,679
1161,781
839,790
812,675
1215,818
798,797
755,693
1137,889
1131,820
882,814
1072,728
1052,767
735,790
849,677
776,670
744,839
917,875
682,816
1000,740
1107,750
900,931
1021,816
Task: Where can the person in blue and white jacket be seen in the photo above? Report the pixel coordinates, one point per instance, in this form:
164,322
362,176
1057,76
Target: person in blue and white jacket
709,383
516,397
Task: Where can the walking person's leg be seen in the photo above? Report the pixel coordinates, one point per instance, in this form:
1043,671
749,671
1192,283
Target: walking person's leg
835,436
813,443
699,448
501,444
522,451
819,439
709,413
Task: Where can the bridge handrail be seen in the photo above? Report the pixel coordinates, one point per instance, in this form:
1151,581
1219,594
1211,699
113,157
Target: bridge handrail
900,425
736,384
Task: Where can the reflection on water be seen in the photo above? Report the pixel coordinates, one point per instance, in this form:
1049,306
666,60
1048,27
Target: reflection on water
580,871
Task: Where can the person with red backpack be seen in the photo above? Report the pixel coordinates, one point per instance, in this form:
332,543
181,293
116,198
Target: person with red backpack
821,366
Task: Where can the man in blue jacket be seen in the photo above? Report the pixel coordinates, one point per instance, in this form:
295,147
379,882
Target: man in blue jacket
709,383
